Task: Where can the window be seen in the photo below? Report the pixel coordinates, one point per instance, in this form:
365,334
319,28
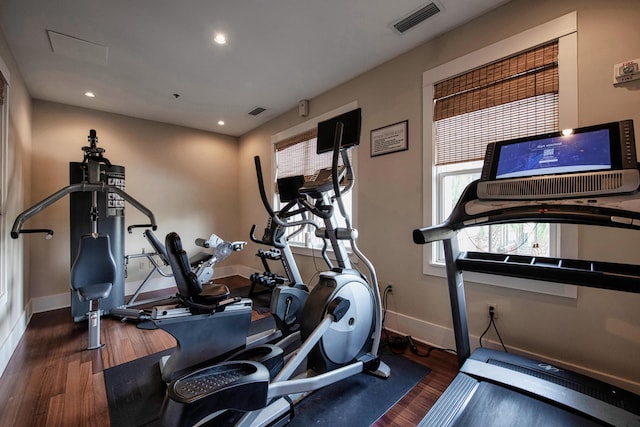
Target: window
4,126
295,154
513,97
510,89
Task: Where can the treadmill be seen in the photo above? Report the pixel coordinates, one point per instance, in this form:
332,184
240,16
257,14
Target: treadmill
584,176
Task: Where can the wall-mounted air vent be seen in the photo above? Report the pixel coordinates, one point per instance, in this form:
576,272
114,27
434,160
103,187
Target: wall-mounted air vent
417,17
257,111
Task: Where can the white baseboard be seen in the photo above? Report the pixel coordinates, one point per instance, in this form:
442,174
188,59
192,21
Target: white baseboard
443,337
54,302
12,341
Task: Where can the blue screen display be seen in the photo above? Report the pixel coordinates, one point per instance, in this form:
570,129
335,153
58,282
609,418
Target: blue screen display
580,152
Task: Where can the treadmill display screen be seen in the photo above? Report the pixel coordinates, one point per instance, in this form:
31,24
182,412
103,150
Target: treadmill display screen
591,149
580,152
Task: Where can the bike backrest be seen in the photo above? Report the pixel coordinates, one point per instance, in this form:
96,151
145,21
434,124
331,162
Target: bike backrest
186,280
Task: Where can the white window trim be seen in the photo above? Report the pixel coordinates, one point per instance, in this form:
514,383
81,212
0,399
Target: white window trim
564,29
4,170
296,130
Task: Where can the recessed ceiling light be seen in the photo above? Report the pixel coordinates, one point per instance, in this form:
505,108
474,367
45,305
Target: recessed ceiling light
221,122
220,38
90,94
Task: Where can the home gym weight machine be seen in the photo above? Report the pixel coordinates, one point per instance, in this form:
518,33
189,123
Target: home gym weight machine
496,388
97,201
340,330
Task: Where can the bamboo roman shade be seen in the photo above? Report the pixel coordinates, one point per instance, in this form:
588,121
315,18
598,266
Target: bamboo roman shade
509,98
297,155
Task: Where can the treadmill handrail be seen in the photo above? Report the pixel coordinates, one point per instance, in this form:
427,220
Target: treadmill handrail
75,188
621,211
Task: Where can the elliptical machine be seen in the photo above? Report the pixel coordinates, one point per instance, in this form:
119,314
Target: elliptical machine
288,294
340,330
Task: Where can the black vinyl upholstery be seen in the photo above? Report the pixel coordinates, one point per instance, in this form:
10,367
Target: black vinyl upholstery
191,291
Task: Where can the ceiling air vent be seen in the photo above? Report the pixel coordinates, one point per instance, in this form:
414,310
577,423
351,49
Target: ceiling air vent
257,111
417,17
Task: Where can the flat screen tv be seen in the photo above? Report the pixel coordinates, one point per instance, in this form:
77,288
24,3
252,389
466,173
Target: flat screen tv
351,122
592,160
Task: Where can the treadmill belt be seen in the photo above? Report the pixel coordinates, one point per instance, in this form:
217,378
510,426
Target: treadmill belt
492,405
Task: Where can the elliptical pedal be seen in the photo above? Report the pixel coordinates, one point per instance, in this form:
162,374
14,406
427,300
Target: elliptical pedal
240,385
208,381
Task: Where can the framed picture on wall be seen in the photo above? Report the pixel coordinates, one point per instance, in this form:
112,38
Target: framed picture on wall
390,139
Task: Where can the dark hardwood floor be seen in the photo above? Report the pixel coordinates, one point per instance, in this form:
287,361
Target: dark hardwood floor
51,380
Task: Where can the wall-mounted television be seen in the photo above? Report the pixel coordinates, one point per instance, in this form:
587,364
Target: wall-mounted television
351,122
593,160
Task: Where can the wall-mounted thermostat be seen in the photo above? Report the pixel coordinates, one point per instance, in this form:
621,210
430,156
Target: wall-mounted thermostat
626,72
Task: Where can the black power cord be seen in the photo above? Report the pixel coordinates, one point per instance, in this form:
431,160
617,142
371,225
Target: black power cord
398,344
493,323
414,349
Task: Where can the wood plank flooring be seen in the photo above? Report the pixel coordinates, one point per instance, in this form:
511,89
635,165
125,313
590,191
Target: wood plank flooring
52,380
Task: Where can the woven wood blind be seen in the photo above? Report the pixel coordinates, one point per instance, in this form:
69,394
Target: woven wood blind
297,155
296,139
509,98
521,76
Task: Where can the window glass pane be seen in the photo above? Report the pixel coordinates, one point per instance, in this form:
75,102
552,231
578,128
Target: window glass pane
301,159
520,239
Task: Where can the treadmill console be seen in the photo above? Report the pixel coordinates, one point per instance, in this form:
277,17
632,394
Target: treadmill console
589,161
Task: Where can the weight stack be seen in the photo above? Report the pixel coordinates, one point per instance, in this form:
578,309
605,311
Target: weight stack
110,221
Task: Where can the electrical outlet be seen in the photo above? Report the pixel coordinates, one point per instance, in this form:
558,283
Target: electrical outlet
492,306
390,287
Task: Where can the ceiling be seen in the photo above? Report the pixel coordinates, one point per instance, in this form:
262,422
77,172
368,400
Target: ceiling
155,59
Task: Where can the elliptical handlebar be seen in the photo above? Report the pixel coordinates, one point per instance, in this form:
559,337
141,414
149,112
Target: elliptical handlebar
263,193
254,239
278,220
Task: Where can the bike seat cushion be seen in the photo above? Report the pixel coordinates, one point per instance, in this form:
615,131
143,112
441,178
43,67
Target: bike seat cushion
189,288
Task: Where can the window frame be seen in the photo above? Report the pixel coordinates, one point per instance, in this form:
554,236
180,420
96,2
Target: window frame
564,29
296,247
4,179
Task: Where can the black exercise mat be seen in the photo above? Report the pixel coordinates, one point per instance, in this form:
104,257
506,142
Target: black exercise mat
261,300
135,392
359,400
